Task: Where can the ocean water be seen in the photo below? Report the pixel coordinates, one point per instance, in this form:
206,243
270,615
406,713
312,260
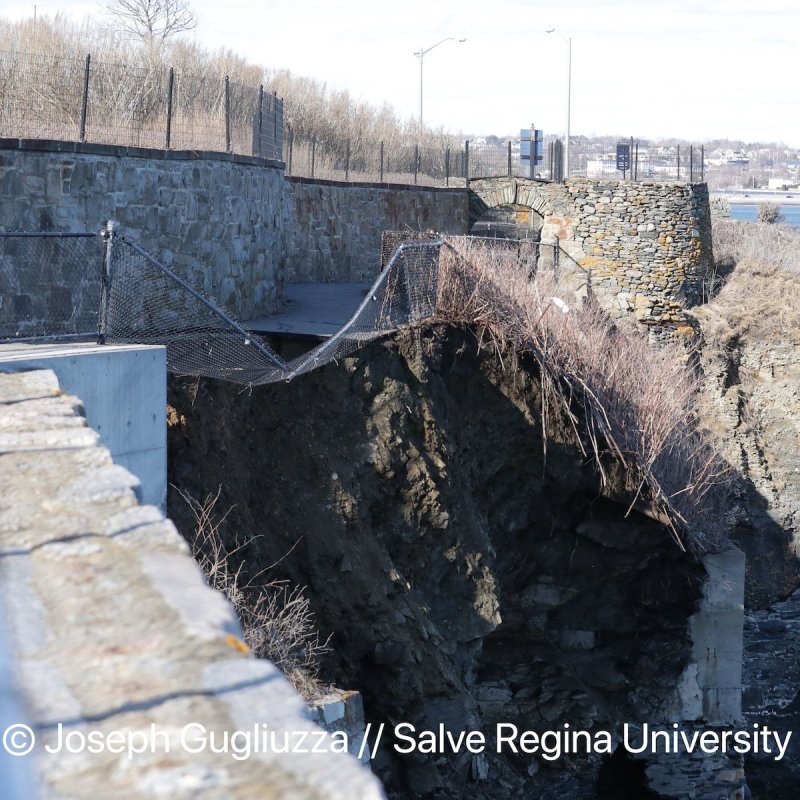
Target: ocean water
749,213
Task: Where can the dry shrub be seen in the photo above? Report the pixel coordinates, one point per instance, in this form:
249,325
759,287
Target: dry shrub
42,64
629,402
276,618
776,245
759,301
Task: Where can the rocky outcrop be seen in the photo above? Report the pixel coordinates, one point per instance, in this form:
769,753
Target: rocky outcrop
470,569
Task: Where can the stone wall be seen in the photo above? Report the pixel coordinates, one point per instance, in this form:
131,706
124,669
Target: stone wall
237,229
215,218
334,229
645,246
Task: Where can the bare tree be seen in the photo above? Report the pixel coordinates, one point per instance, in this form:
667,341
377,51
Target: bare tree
154,21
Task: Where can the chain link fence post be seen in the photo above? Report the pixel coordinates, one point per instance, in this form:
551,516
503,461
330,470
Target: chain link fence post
381,162
85,96
170,89
108,235
228,148
466,162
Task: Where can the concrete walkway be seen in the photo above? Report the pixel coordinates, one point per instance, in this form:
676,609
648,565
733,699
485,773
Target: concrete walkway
315,310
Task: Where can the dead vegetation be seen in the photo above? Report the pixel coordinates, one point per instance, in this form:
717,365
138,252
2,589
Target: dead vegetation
773,245
41,75
633,405
276,618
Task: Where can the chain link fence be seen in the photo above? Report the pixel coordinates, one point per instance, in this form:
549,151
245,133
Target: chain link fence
52,97
49,286
107,288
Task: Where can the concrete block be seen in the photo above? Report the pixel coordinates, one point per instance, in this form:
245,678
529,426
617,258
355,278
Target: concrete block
123,390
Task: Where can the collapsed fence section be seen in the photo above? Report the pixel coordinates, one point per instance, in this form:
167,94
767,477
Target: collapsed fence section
105,287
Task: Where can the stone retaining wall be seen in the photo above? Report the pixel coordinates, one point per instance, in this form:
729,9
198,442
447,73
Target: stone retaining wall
334,229
645,246
215,218
237,228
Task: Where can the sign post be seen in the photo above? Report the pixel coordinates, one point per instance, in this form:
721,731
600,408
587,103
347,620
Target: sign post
531,141
623,158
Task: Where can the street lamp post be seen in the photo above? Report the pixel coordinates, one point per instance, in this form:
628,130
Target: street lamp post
568,40
421,54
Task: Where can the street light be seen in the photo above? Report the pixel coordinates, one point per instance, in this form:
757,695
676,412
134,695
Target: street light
568,40
421,54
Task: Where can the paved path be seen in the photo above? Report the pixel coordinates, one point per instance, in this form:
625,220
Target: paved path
316,310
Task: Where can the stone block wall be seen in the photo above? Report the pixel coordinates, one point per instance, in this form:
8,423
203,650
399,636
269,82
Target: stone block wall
334,229
213,217
647,246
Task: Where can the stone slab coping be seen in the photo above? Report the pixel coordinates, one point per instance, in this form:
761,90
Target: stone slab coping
419,187
117,150
21,351
114,632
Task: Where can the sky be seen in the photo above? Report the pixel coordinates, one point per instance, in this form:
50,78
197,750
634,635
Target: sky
695,70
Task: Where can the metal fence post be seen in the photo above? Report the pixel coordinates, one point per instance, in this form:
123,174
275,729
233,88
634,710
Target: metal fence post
416,161
227,115
381,162
556,252
466,161
108,235
691,163
679,162
260,119
702,163
85,99
170,89
636,163
313,153
347,162
275,123
509,158
447,167
291,148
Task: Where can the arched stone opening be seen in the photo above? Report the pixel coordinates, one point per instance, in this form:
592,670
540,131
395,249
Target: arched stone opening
509,221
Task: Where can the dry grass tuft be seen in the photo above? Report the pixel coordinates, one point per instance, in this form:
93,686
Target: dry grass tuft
276,618
775,245
633,404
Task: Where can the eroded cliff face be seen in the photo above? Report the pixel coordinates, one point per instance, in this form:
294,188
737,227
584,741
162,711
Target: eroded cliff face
469,574
751,360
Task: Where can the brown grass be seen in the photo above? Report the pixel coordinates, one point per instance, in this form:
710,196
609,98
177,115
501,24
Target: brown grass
775,245
632,404
276,618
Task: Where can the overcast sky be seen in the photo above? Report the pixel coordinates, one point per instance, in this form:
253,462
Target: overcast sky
697,70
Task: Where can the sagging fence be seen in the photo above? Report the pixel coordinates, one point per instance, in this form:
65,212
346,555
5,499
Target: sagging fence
85,100
106,288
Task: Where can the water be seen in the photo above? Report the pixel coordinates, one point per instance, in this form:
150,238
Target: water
749,213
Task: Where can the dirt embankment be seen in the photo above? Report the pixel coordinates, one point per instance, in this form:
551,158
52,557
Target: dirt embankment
466,578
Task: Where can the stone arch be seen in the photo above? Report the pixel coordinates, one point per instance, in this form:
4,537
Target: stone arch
486,194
